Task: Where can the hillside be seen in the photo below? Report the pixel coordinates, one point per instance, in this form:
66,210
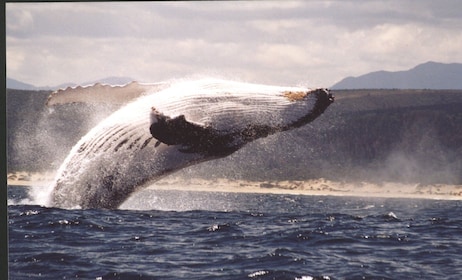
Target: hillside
430,75
383,135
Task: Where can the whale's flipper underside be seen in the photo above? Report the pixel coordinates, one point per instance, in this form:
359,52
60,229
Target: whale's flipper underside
101,93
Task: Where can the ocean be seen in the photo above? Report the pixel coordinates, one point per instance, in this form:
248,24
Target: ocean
218,235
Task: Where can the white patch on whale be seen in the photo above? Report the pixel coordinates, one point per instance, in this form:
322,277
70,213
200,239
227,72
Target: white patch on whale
170,126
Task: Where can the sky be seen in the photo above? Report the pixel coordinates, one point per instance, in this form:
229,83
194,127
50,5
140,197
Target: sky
309,43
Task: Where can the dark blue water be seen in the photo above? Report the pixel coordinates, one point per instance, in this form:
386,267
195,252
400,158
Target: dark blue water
239,236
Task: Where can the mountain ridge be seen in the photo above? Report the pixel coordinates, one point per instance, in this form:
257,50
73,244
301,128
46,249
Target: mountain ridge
428,75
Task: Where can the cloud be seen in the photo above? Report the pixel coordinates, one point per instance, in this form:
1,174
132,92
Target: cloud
290,42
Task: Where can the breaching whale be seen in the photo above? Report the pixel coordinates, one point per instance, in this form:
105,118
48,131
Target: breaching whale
169,126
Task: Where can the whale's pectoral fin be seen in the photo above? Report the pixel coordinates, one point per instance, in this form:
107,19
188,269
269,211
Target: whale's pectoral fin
100,93
174,131
193,138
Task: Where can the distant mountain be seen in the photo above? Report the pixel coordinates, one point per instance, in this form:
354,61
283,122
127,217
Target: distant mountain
15,84
430,75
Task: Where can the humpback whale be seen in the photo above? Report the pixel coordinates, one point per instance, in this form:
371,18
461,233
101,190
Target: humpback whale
165,127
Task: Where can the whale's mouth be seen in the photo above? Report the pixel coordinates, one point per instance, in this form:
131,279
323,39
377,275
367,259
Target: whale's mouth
323,98
330,96
325,94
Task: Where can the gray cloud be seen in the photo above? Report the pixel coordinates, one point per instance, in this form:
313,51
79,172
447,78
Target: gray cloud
311,42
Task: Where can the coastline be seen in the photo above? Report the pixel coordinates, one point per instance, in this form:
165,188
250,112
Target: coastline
30,179
315,187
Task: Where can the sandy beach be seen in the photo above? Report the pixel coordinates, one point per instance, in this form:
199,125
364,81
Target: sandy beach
317,187
307,187
25,178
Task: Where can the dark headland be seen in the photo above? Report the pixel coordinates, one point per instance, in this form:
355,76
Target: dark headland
404,135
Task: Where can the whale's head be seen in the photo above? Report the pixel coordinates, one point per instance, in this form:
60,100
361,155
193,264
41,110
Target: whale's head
216,120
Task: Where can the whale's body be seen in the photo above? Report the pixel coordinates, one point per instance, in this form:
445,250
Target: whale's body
170,127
